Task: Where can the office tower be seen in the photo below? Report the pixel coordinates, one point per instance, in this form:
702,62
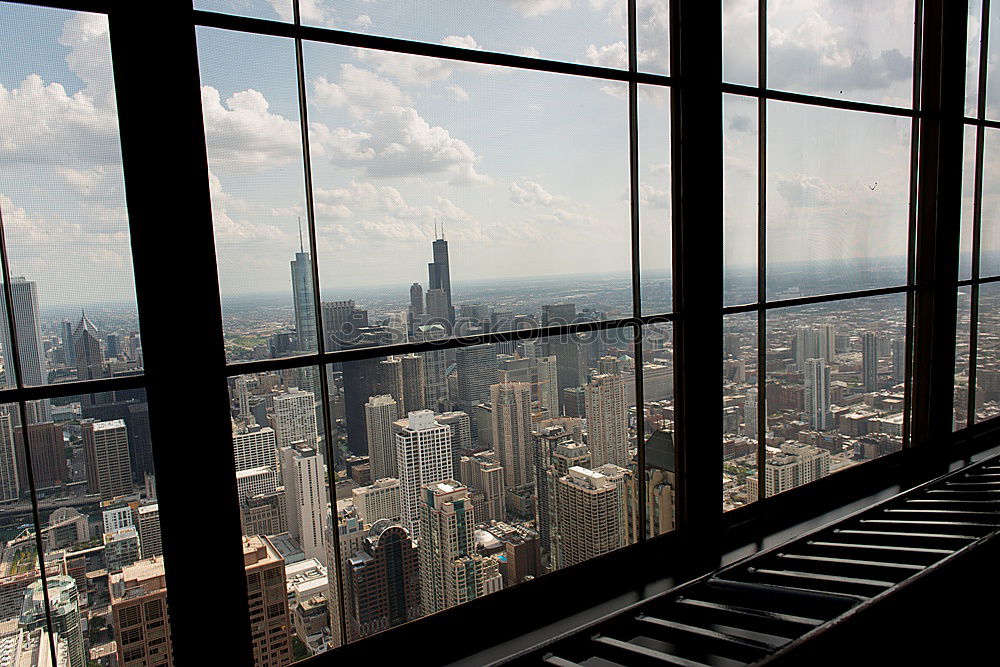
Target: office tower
139,614
109,471
481,472
661,487
590,514
64,610
148,525
461,434
414,391
305,496
382,581
451,572
423,455
607,420
270,623
827,343
817,394
361,383
439,277
571,362
66,333
416,300
303,300
796,464
548,385
435,364
559,314
389,379
574,403
731,345
255,481
13,474
512,430
869,361
657,382
898,359
437,306
547,440
342,321
24,294
242,395
121,548
264,513
379,500
477,368
380,413
750,413
608,365
254,447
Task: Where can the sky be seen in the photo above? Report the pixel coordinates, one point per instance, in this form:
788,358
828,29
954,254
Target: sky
527,171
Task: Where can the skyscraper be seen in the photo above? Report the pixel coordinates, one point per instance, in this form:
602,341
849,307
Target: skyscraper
477,371
295,417
382,581
64,609
806,346
423,455
254,447
817,394
869,361
416,300
270,622
439,277
24,294
66,333
512,430
379,500
750,413
548,385
486,475
108,466
435,361
305,496
451,572
139,614
11,460
414,387
303,300
607,420
899,359
380,413
795,465
590,511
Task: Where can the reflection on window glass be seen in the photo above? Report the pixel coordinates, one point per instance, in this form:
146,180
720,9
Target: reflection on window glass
740,210
989,234
527,450
993,59
962,341
987,389
739,41
842,50
968,204
740,411
655,227
974,47
62,200
658,421
837,200
90,467
835,388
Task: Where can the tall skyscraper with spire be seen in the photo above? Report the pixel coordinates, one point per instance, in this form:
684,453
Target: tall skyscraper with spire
439,275
302,294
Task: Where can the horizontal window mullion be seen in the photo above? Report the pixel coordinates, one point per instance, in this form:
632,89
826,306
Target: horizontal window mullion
64,389
818,100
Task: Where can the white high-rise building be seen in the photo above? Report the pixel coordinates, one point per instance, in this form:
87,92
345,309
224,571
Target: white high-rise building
590,514
451,572
817,394
512,430
254,447
305,498
796,464
242,394
607,420
806,346
380,413
548,385
750,413
378,500
827,343
423,455
255,481
295,418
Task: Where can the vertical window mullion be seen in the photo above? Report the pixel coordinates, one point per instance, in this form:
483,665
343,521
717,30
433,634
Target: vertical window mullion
761,249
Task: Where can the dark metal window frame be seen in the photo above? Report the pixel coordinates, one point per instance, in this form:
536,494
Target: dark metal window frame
204,565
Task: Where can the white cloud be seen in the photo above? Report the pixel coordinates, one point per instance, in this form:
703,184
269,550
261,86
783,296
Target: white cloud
529,193
460,94
529,52
539,7
313,12
612,55
363,21
361,90
89,57
416,69
244,134
239,230
653,197
83,181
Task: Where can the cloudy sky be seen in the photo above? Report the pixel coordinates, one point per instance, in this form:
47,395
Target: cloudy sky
528,171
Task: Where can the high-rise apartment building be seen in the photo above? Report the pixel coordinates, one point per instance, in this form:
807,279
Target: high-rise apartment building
379,500
423,455
108,466
63,609
477,371
817,394
139,614
512,430
380,414
553,445
548,385
795,465
898,359
382,581
270,622
869,361
305,496
750,415
590,514
254,446
607,420
295,418
148,525
451,572
485,474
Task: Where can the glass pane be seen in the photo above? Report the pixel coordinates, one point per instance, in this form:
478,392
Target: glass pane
274,10
658,422
739,41
859,52
740,412
594,33
467,202
962,368
740,200
655,223
62,200
993,60
837,200
834,399
989,234
974,47
968,204
988,353
96,487
258,194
